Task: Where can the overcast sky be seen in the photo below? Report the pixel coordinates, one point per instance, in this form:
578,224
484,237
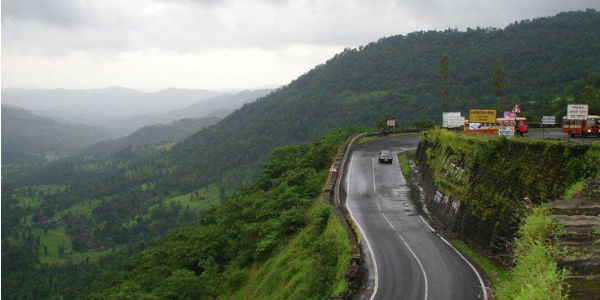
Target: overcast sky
218,44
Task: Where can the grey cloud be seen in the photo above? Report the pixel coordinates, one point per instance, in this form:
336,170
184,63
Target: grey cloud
196,25
62,13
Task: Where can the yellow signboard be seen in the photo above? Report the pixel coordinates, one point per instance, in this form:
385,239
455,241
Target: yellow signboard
482,116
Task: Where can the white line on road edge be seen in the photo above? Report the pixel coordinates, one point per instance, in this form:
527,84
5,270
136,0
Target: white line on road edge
362,233
397,233
485,296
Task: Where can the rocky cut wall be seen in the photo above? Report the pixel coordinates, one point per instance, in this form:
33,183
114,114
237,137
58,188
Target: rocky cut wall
475,185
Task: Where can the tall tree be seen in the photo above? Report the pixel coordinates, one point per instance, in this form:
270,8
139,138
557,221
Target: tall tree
444,72
500,82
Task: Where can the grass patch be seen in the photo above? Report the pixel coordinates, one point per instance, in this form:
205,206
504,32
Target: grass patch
201,199
575,189
404,165
57,237
82,208
495,273
29,196
365,139
312,265
535,275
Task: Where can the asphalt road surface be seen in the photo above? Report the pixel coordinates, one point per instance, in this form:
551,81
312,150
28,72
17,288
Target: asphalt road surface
404,257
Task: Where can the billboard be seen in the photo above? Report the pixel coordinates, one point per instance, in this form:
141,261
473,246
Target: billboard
548,120
482,115
506,131
452,120
510,114
577,111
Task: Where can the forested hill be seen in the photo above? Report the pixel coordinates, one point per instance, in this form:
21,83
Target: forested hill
398,75
28,138
151,135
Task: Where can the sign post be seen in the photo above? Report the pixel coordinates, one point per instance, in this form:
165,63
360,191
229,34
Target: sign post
391,124
482,116
452,120
577,111
516,109
547,120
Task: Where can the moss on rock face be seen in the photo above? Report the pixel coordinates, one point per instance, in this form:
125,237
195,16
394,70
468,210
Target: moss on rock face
483,179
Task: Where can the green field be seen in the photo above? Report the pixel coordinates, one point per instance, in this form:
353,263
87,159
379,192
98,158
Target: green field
57,237
201,199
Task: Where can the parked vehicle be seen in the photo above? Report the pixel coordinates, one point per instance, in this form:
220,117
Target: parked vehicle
582,128
385,156
519,123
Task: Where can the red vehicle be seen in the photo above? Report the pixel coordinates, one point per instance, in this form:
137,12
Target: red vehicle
582,128
519,123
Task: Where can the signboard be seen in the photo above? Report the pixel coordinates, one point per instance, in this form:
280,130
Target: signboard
577,111
482,115
474,126
506,131
452,117
455,121
332,169
510,114
548,120
391,123
516,109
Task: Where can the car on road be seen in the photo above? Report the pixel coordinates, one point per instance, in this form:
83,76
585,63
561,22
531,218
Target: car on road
385,156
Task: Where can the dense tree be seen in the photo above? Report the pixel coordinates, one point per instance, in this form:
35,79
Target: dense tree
500,82
444,73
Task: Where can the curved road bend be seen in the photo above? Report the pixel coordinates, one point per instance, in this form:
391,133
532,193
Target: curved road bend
405,259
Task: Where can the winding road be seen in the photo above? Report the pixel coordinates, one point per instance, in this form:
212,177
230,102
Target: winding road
405,258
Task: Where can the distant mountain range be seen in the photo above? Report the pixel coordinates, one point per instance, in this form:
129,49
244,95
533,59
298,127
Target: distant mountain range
123,110
100,106
28,138
217,106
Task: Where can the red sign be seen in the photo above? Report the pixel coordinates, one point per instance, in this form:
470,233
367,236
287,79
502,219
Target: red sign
332,169
517,108
391,123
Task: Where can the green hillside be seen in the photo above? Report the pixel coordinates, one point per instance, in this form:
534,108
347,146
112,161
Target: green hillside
396,76
28,138
111,207
152,135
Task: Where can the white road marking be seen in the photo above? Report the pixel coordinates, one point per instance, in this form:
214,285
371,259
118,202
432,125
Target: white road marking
362,233
484,291
398,233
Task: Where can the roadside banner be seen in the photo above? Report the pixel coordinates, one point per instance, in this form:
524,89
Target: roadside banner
452,120
482,115
506,131
391,123
474,126
577,111
548,120
510,114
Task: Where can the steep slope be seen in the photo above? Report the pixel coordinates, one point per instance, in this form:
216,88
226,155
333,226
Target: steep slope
152,135
397,76
28,138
